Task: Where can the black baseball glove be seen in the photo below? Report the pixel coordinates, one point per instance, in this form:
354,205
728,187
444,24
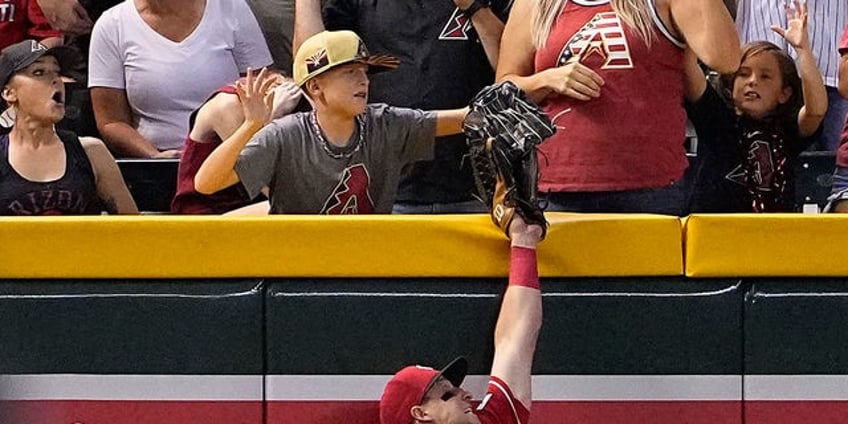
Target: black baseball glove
503,128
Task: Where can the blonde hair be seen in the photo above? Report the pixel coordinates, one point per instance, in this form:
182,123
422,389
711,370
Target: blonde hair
635,14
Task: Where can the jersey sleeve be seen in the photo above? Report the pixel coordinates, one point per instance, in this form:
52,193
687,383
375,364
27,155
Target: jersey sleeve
843,42
499,406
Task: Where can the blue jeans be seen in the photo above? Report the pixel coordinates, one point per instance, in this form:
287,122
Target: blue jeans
470,206
668,200
833,123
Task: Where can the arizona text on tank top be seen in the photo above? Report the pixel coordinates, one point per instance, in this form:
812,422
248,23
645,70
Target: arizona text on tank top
632,136
75,193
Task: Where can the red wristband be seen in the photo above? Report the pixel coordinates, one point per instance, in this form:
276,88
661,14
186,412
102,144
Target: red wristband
522,268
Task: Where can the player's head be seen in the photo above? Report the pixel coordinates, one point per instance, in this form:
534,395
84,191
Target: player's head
31,78
422,394
332,68
767,82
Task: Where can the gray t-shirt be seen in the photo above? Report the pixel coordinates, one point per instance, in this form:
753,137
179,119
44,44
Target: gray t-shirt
308,175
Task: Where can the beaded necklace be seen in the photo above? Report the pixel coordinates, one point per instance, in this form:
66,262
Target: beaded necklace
346,151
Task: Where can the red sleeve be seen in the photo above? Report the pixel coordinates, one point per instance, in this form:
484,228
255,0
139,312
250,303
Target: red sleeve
39,28
843,43
499,406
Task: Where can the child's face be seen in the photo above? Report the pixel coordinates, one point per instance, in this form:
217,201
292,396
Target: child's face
758,87
38,90
346,88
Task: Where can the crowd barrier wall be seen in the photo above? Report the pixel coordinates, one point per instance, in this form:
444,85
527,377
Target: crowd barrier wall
156,319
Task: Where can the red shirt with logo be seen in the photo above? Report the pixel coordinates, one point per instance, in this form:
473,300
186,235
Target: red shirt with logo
631,137
21,20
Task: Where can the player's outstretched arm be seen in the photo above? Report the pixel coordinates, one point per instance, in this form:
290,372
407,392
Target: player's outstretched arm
520,318
307,21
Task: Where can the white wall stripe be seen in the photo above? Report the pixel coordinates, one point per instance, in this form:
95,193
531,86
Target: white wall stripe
796,387
487,295
545,387
131,387
608,388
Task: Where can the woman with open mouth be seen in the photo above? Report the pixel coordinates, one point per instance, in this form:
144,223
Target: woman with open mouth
42,171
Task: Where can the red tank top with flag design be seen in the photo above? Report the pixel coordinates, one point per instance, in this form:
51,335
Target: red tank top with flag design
632,136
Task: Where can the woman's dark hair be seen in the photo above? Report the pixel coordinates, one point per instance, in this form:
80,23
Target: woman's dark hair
788,72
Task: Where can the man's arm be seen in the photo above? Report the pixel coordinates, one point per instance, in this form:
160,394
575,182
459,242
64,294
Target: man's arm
489,28
67,16
520,317
307,21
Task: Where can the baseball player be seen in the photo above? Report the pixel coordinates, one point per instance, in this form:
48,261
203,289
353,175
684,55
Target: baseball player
345,157
419,394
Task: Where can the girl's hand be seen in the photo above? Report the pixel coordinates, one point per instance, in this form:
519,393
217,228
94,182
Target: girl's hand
256,96
796,32
286,97
575,80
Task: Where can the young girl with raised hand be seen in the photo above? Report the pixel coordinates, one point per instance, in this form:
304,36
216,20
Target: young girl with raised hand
746,151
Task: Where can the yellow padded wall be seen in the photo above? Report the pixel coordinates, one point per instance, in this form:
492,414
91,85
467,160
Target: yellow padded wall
321,246
774,245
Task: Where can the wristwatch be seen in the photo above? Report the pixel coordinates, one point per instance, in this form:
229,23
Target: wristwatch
475,7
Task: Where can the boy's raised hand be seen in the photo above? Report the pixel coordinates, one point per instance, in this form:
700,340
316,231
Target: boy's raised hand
795,32
257,98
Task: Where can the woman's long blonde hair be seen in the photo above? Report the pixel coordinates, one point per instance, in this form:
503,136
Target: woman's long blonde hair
635,13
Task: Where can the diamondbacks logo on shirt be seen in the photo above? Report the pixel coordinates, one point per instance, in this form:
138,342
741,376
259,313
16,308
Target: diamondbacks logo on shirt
351,194
457,27
601,40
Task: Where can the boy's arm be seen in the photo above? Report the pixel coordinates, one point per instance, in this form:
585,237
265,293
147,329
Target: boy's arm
520,318
694,82
815,95
218,170
449,122
67,16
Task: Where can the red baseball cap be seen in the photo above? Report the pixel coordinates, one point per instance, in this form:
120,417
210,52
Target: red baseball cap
408,387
